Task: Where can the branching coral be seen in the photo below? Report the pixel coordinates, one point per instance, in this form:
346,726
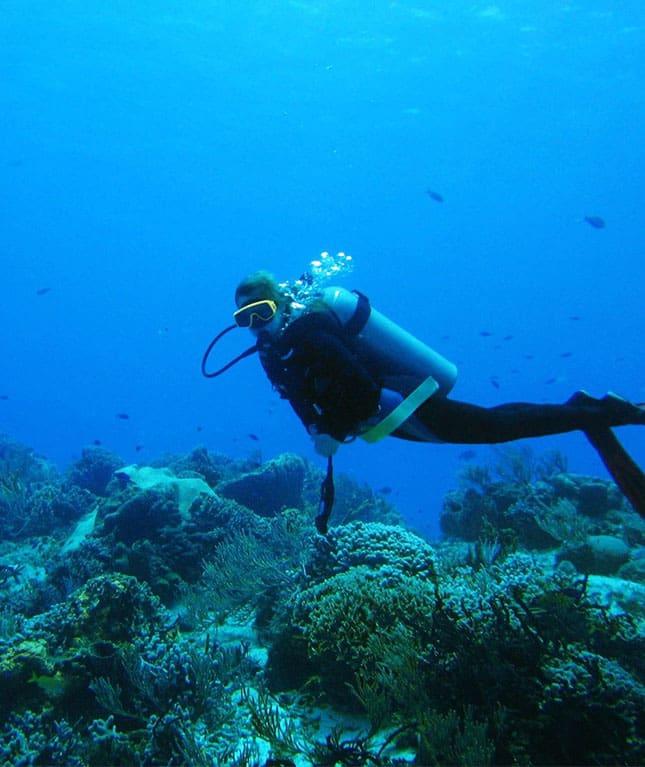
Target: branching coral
612,701
562,521
483,639
14,505
450,739
271,723
353,623
251,569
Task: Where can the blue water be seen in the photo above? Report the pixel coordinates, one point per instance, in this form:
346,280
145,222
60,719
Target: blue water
153,153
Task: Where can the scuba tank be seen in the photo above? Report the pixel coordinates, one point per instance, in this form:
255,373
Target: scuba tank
399,360
396,359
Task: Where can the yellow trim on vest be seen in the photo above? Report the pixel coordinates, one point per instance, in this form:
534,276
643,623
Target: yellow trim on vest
402,411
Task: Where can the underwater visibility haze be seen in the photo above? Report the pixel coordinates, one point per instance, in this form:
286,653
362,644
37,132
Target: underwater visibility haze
483,165
153,154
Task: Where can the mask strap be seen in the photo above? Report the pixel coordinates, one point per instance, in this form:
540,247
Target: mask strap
247,353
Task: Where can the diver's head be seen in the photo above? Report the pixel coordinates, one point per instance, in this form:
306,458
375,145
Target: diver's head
261,303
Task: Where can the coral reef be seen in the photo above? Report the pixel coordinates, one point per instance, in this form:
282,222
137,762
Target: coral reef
272,487
32,497
188,612
601,554
413,647
544,511
94,470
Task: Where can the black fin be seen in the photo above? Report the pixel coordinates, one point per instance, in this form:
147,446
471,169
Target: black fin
627,474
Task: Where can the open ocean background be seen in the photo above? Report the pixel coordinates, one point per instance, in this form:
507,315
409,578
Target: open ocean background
153,153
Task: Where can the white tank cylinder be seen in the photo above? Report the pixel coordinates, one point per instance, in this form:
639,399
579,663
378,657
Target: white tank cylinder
392,355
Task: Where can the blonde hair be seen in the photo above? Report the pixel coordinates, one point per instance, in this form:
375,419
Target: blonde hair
258,286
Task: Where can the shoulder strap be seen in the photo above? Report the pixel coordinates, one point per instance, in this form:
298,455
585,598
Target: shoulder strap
358,320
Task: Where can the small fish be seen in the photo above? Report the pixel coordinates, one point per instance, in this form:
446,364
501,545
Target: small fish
52,684
445,338
386,490
507,338
495,381
96,442
138,448
529,356
567,354
485,333
200,428
123,477
467,455
434,195
595,221
550,381
574,317
123,416
254,437
42,291
4,396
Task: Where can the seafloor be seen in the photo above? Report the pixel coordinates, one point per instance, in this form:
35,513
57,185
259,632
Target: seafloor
187,612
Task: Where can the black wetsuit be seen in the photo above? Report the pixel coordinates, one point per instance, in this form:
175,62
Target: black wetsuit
461,422
315,365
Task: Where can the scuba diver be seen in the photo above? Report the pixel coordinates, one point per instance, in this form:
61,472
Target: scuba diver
348,371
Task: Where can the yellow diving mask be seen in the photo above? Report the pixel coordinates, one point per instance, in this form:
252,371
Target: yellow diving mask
254,314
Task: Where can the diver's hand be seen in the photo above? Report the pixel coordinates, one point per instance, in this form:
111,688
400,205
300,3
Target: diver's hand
324,444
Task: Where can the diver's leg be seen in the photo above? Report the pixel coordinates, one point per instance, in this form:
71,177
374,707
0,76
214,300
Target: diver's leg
461,422
622,467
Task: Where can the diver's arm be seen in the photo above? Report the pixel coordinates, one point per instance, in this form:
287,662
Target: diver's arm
326,384
341,390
